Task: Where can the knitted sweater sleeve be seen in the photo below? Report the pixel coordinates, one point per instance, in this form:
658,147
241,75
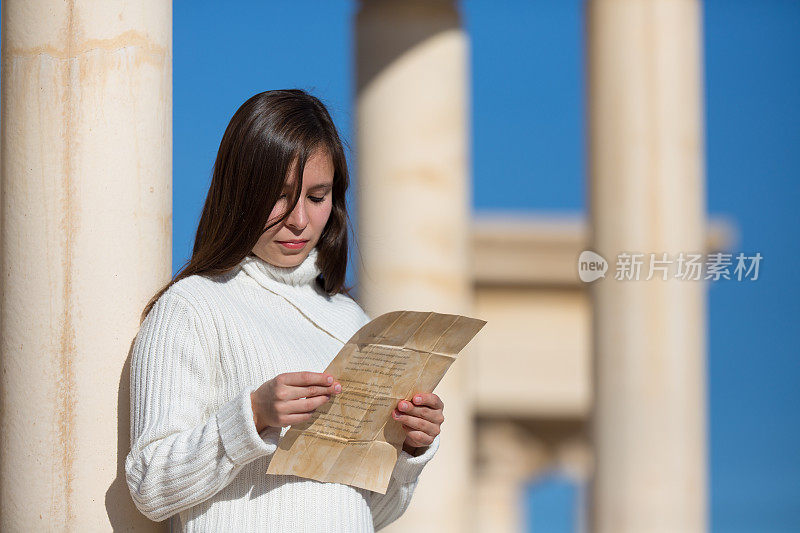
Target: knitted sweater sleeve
182,450
386,508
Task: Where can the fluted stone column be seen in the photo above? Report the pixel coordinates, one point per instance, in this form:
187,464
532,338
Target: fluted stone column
414,205
647,196
86,167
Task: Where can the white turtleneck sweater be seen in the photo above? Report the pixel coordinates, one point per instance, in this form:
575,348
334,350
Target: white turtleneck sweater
196,456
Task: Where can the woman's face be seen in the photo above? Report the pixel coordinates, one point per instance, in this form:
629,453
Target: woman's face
287,244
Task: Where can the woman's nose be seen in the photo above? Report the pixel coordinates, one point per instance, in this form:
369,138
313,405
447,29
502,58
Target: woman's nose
298,218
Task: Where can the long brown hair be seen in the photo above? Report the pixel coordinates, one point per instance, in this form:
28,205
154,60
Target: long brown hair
271,133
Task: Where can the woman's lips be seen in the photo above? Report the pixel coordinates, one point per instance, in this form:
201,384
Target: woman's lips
293,245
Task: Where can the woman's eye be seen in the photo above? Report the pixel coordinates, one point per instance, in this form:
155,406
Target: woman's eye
316,199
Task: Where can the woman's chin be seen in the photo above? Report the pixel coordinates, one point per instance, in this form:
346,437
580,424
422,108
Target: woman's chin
290,258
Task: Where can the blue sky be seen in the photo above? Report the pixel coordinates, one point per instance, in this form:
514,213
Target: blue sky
528,154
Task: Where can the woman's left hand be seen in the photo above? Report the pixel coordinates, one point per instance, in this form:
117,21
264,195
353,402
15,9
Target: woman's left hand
421,420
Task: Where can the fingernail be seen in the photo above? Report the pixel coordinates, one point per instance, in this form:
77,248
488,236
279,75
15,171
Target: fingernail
330,380
394,414
403,406
338,387
417,399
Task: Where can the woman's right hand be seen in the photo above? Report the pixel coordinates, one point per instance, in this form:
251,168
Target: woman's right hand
291,397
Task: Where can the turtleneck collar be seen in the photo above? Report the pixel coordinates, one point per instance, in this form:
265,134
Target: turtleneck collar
303,274
297,286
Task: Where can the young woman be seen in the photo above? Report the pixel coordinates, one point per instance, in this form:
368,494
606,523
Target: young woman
232,351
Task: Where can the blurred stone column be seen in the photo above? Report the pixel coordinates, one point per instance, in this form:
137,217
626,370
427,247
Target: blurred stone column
502,476
647,195
414,209
86,217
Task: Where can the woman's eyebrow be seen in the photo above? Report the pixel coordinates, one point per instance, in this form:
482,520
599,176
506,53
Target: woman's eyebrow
324,186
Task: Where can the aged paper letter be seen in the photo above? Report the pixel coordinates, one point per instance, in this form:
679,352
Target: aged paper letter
353,439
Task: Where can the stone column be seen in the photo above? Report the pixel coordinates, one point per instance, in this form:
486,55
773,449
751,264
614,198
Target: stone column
86,166
508,458
647,196
414,208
